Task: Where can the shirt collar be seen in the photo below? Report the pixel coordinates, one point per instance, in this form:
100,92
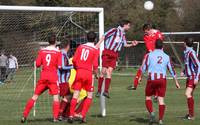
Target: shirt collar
63,51
188,48
158,50
120,28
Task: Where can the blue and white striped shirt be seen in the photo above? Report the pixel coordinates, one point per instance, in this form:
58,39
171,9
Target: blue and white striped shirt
192,64
157,63
64,72
115,39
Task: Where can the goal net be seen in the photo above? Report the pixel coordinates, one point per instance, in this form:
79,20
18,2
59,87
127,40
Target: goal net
23,31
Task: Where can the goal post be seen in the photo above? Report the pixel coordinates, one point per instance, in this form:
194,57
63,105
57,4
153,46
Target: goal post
24,30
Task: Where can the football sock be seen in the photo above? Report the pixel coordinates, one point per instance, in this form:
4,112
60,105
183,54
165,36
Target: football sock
80,107
56,107
73,106
86,106
67,111
63,105
136,80
100,82
190,102
161,111
28,107
107,84
149,106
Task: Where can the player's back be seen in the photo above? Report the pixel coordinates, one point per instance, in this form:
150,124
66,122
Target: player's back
86,57
158,62
50,59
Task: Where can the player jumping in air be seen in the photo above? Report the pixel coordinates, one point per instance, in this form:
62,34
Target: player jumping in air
113,43
150,37
85,62
49,59
63,79
156,64
192,72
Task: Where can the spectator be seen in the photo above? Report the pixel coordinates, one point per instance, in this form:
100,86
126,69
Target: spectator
3,67
12,67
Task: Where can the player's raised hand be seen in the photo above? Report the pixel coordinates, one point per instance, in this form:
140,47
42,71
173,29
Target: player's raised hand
182,74
100,41
131,88
134,43
177,85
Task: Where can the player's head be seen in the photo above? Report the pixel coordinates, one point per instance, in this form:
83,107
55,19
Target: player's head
189,42
52,38
125,24
146,27
159,44
91,36
66,45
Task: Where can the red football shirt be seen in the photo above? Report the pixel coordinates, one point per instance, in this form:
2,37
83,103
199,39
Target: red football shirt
150,39
50,60
86,57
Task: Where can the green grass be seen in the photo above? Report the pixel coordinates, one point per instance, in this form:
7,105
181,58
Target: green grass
124,107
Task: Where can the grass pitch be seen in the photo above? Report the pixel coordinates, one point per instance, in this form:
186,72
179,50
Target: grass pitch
124,108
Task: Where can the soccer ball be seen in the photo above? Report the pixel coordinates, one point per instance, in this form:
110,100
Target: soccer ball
148,5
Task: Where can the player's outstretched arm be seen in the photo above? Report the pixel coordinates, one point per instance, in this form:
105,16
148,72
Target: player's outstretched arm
133,43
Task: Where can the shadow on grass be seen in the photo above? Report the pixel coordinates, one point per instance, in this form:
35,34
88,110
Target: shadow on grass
97,116
40,120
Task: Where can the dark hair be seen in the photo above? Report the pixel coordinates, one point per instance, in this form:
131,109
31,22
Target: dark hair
189,41
91,36
65,44
124,22
52,38
146,26
159,44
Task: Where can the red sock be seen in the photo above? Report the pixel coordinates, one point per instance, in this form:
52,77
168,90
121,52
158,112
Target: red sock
161,111
73,106
107,84
138,75
63,105
80,108
28,107
149,106
190,102
56,107
67,111
100,82
86,106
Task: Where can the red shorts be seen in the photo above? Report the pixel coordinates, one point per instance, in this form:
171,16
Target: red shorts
64,89
83,80
156,87
43,85
109,58
190,83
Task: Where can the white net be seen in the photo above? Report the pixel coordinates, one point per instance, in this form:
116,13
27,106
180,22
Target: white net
23,33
